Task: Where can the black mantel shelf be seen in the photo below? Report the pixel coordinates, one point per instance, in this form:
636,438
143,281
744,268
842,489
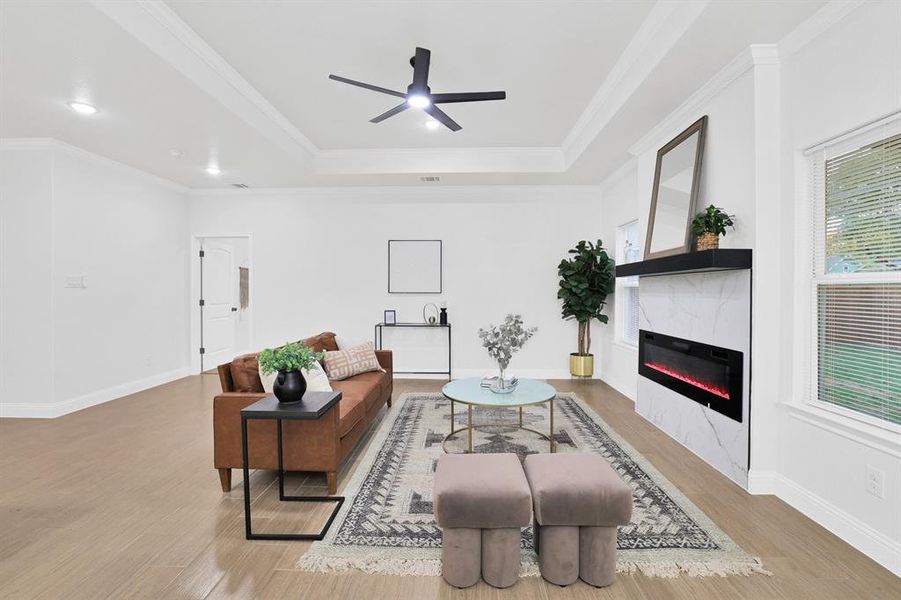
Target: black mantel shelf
721,259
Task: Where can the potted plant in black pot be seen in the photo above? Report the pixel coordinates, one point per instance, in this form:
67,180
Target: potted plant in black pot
586,278
290,361
709,225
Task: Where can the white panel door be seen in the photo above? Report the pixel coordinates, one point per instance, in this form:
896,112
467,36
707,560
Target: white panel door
220,297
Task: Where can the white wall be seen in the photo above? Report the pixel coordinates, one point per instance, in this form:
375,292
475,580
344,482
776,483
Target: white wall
759,124
26,333
320,263
839,81
73,214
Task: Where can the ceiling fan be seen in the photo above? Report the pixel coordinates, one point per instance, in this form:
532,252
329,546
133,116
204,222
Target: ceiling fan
419,95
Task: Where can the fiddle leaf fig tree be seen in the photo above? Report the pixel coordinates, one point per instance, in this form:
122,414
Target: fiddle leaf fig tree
586,278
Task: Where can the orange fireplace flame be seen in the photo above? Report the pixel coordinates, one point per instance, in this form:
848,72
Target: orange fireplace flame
722,393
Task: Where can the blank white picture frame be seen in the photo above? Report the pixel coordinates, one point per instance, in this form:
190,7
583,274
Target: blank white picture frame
414,267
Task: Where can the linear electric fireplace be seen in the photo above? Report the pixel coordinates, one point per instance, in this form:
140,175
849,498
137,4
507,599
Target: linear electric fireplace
709,375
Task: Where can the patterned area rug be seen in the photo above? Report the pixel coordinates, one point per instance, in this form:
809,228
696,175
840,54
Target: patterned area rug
386,525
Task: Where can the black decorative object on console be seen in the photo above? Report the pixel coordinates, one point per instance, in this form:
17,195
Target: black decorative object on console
707,374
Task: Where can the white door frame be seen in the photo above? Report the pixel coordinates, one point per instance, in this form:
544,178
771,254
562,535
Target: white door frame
194,308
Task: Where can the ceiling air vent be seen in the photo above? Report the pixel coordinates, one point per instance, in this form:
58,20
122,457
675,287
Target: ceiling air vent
430,179
240,186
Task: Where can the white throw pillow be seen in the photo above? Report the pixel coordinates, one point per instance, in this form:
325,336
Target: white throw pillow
317,380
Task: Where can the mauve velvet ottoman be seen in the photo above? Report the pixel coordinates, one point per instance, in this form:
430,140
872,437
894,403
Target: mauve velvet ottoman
481,502
579,501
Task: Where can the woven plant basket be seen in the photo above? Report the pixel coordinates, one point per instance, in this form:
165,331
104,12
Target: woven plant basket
707,241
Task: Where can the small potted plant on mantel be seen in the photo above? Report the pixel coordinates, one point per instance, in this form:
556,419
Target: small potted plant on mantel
585,281
290,361
709,225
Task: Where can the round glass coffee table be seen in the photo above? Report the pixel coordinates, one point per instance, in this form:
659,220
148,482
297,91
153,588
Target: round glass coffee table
470,392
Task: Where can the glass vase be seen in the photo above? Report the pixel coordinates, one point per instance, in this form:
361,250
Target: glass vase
501,385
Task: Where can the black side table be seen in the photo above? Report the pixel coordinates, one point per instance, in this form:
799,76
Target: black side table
312,407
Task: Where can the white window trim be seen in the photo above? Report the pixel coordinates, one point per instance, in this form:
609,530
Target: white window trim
622,282
871,431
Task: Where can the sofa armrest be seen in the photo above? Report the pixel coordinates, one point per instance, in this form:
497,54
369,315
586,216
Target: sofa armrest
386,360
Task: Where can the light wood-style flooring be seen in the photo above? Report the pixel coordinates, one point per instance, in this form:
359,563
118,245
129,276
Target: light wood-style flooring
122,501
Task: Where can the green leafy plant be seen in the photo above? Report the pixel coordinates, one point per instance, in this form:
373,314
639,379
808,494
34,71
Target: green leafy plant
290,357
586,278
712,220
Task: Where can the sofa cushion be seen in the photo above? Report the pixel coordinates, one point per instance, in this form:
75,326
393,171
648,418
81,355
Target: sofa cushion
341,364
324,342
350,411
246,374
486,491
377,380
577,490
358,388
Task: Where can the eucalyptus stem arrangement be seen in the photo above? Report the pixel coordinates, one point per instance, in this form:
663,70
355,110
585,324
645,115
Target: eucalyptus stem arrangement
503,341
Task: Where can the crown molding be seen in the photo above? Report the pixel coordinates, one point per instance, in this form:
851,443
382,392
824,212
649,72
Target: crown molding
410,193
658,34
156,26
54,144
688,111
831,14
440,160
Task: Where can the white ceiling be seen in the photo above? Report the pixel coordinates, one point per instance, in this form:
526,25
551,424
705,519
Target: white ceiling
244,84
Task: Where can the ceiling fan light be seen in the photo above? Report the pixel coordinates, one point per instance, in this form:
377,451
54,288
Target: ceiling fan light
418,101
82,108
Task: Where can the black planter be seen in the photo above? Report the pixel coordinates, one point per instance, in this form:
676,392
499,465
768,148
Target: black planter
289,386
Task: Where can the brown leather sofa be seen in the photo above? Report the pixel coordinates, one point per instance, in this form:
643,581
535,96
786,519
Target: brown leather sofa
320,445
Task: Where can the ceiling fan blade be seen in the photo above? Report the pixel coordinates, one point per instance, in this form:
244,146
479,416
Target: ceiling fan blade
390,113
367,86
467,97
440,116
421,69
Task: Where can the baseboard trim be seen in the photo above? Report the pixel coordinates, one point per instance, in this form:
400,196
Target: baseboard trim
873,543
51,410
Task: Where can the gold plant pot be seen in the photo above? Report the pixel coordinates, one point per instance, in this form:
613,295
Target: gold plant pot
581,365
707,241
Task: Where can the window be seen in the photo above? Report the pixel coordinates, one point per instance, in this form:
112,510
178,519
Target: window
627,250
856,283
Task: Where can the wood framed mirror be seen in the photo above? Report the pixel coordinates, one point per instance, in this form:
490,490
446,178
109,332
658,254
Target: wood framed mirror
674,197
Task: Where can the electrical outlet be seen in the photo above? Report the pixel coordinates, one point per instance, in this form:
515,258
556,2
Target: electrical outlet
875,482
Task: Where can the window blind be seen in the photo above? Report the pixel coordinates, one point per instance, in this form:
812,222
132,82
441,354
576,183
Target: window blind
857,274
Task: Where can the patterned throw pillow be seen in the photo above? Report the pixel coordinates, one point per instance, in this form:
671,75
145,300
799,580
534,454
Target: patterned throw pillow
351,361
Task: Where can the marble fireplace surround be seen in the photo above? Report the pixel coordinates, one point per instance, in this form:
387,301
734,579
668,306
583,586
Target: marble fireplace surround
712,308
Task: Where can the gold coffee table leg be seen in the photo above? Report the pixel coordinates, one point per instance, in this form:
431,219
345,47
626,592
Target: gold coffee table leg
551,437
452,417
469,418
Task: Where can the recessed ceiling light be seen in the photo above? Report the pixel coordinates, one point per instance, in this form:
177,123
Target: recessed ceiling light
82,108
176,153
432,124
213,170
418,101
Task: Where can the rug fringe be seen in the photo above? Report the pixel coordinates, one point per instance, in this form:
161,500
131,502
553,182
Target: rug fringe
432,568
